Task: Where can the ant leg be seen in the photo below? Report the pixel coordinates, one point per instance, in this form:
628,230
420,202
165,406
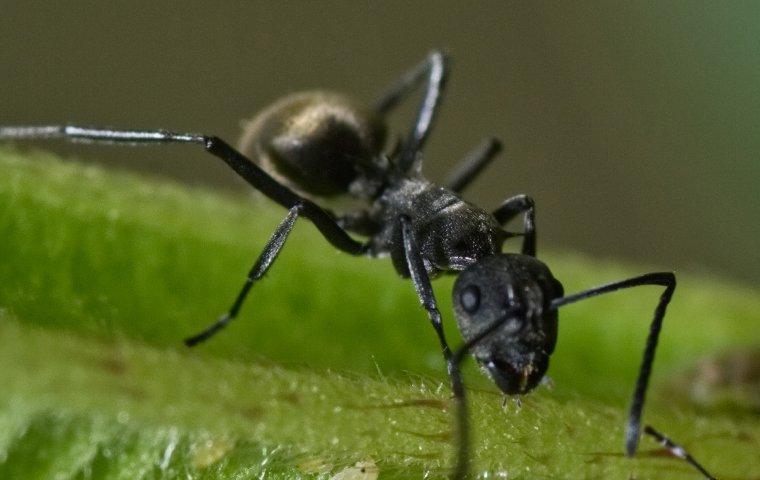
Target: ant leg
265,260
457,386
677,451
244,167
434,68
422,286
511,208
410,80
424,291
462,464
459,391
665,279
472,164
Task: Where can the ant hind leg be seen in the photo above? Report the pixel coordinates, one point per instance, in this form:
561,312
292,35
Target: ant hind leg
435,69
243,166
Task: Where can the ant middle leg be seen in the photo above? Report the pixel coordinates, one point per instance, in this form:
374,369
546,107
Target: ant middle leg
265,260
510,209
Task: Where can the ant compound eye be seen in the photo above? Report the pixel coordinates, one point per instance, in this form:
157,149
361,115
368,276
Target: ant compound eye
470,298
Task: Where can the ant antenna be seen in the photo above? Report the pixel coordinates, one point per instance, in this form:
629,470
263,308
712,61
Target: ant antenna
462,462
677,451
665,279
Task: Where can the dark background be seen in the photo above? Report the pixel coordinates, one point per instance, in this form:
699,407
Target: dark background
635,126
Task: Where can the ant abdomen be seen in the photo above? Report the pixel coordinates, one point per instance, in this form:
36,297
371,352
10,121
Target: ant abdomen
320,143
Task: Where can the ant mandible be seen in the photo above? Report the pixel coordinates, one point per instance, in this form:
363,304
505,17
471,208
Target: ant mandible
321,144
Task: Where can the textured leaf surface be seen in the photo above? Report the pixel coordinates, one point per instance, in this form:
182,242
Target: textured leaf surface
331,363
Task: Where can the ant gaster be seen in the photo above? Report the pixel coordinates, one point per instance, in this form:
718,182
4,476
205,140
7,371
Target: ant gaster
320,144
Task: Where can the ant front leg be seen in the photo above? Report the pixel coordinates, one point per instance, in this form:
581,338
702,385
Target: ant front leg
435,70
472,164
265,260
460,396
510,209
244,167
665,279
424,290
422,286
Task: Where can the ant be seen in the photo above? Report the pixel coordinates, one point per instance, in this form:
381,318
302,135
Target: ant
321,144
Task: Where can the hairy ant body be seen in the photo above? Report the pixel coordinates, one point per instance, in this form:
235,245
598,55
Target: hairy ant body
320,144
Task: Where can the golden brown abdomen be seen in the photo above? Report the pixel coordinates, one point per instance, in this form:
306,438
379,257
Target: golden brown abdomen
316,142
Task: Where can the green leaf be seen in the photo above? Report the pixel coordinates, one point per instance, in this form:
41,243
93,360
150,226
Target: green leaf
332,362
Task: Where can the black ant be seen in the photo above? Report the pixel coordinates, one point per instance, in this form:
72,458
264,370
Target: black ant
320,144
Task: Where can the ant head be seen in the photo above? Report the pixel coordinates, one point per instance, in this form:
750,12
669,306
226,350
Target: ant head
514,291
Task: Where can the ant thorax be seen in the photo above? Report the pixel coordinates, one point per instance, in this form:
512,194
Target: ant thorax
451,234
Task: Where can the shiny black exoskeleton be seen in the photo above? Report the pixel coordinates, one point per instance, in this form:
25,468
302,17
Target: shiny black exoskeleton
323,144
506,307
517,289
317,145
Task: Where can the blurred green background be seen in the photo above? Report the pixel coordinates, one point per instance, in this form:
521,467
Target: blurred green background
635,126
